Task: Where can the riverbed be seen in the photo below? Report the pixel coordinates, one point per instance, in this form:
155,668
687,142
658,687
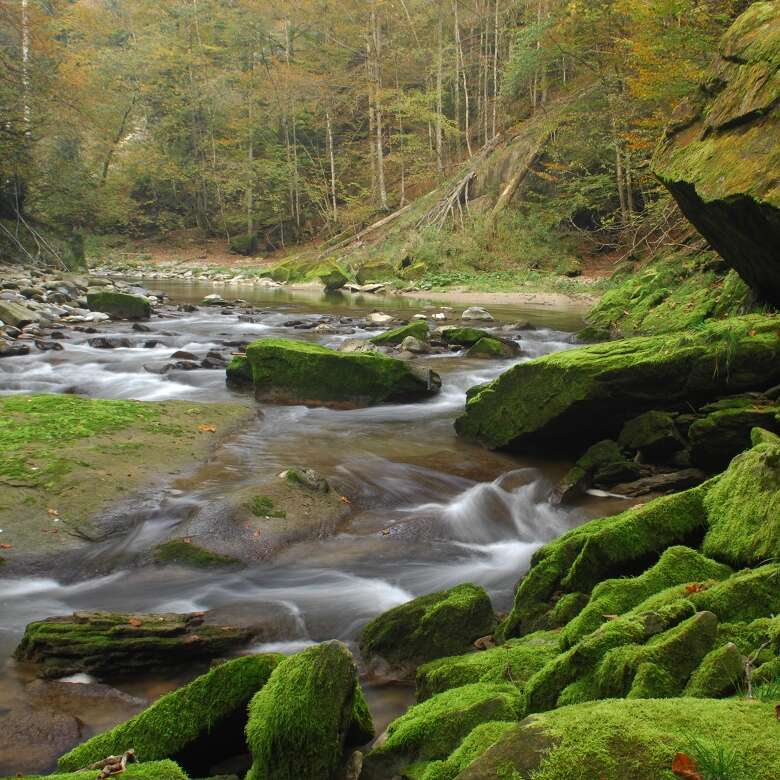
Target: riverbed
428,510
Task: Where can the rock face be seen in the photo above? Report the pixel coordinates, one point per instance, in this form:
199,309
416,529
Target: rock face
575,398
297,372
720,155
114,643
197,725
310,710
120,306
428,627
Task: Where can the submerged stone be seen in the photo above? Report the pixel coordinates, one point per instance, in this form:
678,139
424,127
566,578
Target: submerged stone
120,306
297,372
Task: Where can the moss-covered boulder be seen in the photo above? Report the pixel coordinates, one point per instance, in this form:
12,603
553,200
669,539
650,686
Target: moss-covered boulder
152,770
197,725
186,553
616,740
311,709
428,627
743,509
720,673
461,336
719,156
724,430
434,729
493,349
571,399
376,271
110,643
332,275
299,372
417,329
120,306
604,464
515,661
653,434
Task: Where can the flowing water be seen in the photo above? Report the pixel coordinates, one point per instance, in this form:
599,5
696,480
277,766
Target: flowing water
428,510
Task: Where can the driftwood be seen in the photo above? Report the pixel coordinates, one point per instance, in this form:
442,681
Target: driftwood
113,765
370,229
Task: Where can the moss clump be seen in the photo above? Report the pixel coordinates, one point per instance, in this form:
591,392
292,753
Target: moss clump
263,506
463,337
720,673
615,740
515,661
186,553
376,271
492,348
300,722
286,371
433,626
571,399
434,729
417,329
152,770
743,508
474,745
120,306
609,547
179,720
677,566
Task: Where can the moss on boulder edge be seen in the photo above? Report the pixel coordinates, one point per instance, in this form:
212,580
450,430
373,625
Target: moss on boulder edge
572,399
310,710
720,155
637,739
174,725
120,306
299,372
428,627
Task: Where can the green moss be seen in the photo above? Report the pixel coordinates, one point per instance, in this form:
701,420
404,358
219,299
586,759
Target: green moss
677,566
570,399
479,740
332,275
602,548
181,718
185,552
616,740
463,337
492,348
263,506
153,770
434,729
653,433
432,626
652,681
603,460
418,329
720,673
302,372
120,306
743,508
514,662
301,720
376,271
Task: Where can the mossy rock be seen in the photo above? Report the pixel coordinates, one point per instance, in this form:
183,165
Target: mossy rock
120,306
332,275
514,661
716,159
602,463
299,372
109,643
197,725
743,509
309,711
462,337
186,553
428,627
378,271
653,434
152,770
493,349
625,544
616,740
726,429
413,272
571,399
720,673
434,729
418,330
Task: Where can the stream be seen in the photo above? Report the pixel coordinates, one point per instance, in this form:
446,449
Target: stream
429,511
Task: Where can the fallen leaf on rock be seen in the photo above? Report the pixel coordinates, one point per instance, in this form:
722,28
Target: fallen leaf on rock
206,428
684,766
5,546
610,617
52,512
694,587
344,500
135,622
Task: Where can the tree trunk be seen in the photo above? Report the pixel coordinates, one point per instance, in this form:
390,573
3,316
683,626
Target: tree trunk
495,71
332,158
459,45
26,112
117,138
380,156
439,96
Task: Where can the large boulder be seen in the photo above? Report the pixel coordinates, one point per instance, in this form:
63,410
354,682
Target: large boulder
311,710
299,372
572,399
197,725
110,643
417,329
17,314
432,626
615,740
120,306
720,156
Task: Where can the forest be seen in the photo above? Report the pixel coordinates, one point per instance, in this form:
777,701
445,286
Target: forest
390,389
